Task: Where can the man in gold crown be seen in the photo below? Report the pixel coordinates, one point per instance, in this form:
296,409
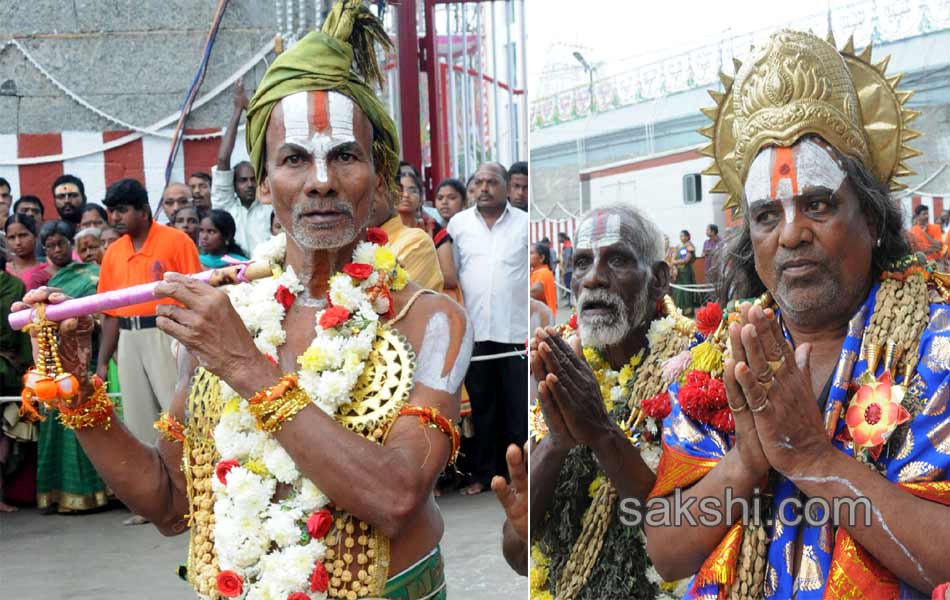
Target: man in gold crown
303,443
837,376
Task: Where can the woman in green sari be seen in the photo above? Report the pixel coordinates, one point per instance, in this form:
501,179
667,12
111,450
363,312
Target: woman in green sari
65,477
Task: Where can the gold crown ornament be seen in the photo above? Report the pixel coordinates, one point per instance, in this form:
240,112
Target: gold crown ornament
799,84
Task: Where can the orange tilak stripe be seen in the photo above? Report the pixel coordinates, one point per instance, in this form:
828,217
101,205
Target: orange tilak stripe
784,168
319,111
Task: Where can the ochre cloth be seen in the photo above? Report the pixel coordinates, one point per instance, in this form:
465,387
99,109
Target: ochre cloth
920,243
342,58
165,249
415,252
545,277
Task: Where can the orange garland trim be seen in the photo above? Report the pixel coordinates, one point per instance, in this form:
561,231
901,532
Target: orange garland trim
678,469
279,403
430,417
170,429
96,411
720,566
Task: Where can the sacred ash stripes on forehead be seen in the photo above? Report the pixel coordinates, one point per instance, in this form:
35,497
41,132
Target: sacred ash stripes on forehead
601,229
318,121
783,173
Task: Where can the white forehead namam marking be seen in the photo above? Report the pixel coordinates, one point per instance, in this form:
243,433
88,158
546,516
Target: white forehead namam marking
601,229
780,174
318,122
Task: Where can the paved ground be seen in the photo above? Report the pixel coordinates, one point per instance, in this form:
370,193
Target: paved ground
87,557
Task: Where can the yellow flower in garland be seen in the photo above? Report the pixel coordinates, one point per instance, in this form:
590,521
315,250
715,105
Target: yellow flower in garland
538,577
385,259
257,467
402,278
233,406
315,358
595,485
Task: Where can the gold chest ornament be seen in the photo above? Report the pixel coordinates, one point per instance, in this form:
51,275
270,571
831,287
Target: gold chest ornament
380,392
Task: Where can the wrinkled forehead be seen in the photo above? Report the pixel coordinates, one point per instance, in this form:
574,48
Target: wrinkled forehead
305,116
779,173
600,230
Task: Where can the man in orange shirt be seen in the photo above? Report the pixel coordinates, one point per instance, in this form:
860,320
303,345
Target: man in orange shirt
924,235
144,253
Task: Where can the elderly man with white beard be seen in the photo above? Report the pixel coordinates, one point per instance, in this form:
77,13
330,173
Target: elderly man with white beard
592,392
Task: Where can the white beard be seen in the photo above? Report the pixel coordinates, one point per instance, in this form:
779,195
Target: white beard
600,331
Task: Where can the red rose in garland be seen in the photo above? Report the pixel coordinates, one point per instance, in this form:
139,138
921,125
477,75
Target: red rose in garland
319,580
319,523
298,596
230,584
334,316
708,318
359,271
377,236
572,322
224,467
284,297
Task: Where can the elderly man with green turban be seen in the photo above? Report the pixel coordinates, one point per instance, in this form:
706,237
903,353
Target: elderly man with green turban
315,410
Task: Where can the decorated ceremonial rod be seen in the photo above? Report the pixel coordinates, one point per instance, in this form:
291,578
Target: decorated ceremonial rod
88,305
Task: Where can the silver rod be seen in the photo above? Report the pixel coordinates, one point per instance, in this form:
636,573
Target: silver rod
465,86
524,83
450,73
510,76
484,142
494,72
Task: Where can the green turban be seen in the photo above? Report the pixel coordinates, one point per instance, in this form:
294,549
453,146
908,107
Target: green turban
341,58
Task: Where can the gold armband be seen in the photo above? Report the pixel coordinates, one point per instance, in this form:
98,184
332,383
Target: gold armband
277,404
96,411
170,429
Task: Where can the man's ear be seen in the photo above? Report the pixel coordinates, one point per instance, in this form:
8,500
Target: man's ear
263,190
661,279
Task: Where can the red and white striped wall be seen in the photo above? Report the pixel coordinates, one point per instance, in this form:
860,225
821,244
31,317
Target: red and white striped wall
91,156
935,203
549,228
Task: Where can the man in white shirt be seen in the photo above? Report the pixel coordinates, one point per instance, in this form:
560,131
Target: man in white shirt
492,242
236,191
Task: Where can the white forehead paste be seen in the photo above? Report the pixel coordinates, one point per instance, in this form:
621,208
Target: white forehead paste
597,231
298,129
433,352
814,167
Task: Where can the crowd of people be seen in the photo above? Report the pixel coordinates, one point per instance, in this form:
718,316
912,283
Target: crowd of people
466,241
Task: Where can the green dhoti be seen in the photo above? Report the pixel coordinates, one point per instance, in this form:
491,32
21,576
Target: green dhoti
424,580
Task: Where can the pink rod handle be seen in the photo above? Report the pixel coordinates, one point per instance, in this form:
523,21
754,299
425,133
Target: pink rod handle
89,305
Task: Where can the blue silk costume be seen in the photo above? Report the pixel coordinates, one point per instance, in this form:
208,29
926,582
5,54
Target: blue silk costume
924,455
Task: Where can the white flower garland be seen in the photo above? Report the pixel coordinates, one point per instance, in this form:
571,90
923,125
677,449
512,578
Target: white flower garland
266,542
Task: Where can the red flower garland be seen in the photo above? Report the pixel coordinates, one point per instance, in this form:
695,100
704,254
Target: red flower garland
657,407
284,297
708,318
230,584
359,271
319,580
319,523
334,316
703,399
224,467
376,235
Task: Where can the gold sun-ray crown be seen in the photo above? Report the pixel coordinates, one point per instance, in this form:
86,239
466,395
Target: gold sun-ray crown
799,84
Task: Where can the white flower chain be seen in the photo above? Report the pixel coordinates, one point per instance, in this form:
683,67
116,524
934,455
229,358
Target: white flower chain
265,541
